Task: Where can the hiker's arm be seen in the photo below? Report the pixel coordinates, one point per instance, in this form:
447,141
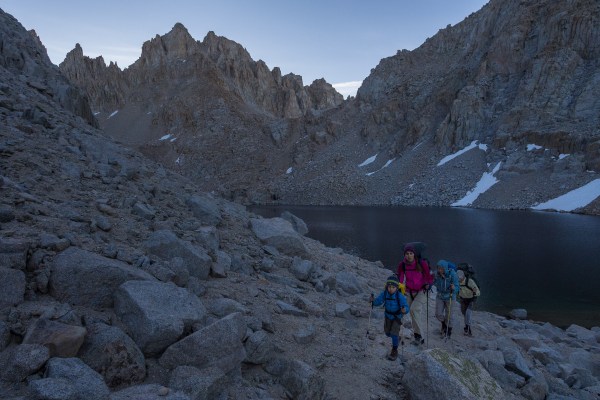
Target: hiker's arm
378,300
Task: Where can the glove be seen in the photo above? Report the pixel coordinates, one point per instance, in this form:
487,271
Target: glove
371,298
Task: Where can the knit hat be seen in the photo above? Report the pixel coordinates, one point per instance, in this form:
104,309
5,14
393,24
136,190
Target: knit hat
409,247
392,280
443,264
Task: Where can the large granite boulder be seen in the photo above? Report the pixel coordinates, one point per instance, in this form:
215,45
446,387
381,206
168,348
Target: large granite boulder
437,375
156,313
217,345
166,245
279,233
113,354
83,278
63,340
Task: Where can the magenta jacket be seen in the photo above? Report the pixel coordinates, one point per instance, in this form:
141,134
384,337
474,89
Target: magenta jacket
415,281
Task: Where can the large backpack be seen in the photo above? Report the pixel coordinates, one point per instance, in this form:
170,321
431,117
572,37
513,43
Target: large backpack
469,273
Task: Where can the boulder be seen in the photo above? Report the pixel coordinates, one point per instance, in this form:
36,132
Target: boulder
86,383
302,269
18,362
518,313
581,333
515,362
298,224
300,379
217,345
259,348
436,375
205,384
347,282
205,209
305,334
221,266
53,389
150,391
222,307
12,287
166,245
13,253
61,339
82,278
279,233
113,354
157,314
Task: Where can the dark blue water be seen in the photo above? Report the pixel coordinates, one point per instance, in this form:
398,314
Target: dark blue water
547,263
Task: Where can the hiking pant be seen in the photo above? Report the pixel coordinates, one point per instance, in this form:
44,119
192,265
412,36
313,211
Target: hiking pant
442,308
418,310
466,308
391,328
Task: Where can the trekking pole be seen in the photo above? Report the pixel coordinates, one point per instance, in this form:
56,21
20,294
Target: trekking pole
368,326
401,344
449,314
427,321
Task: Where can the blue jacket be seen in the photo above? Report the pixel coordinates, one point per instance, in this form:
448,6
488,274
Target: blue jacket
393,304
442,282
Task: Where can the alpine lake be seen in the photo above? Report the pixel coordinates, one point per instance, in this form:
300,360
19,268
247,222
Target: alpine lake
547,263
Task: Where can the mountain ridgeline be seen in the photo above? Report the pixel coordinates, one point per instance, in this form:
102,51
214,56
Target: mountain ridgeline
515,73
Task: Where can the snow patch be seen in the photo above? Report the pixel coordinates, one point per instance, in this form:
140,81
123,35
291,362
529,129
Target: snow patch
96,113
167,136
172,140
574,199
368,161
487,181
385,166
458,153
561,156
113,114
289,170
531,147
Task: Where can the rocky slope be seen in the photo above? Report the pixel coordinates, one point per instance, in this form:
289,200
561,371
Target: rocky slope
515,73
120,279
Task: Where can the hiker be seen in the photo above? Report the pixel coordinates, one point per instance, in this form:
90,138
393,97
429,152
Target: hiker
415,274
446,283
395,306
467,294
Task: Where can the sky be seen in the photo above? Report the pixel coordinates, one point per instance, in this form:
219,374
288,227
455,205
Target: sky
339,40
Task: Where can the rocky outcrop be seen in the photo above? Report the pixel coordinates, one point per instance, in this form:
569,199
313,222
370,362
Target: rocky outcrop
176,56
23,53
104,85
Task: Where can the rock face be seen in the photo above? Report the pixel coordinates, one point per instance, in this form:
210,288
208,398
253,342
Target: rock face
506,77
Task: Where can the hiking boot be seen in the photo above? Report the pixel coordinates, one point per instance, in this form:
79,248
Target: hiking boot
394,354
444,328
418,340
468,331
449,332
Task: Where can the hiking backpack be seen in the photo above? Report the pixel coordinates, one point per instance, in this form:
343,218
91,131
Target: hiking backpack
469,273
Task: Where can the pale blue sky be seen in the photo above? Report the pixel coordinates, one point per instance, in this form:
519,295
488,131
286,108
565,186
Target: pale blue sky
339,40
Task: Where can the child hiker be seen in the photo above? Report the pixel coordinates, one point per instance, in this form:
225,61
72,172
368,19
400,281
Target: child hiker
468,295
414,273
395,306
447,287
